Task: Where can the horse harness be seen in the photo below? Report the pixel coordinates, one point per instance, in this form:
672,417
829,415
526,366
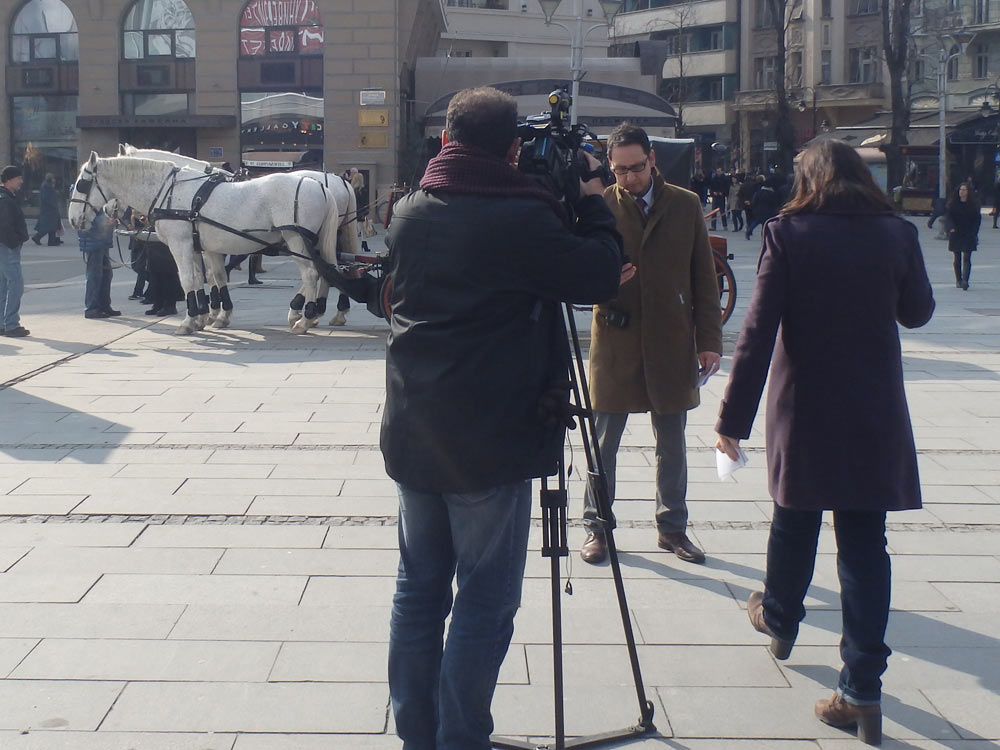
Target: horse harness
194,215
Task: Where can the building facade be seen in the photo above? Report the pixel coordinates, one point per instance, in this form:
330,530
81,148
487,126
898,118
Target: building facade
270,84
692,50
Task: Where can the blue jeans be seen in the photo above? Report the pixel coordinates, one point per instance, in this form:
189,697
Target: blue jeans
865,583
11,286
98,293
671,468
441,696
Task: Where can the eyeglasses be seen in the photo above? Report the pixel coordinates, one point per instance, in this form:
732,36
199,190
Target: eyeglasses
634,169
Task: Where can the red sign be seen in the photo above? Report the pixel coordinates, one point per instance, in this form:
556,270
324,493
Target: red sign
281,13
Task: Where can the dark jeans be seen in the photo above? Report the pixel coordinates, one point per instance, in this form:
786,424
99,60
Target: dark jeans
11,287
737,214
963,267
235,260
719,202
865,583
98,292
441,693
671,468
165,288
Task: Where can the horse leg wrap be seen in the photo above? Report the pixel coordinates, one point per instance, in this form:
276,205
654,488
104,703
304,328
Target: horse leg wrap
298,301
214,298
192,305
320,307
227,301
310,311
202,302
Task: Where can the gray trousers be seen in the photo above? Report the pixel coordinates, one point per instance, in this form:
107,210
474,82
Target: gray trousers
671,467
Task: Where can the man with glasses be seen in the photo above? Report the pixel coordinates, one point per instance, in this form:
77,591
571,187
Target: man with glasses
652,343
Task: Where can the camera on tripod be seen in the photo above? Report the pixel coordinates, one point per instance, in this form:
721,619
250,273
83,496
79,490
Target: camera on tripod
553,151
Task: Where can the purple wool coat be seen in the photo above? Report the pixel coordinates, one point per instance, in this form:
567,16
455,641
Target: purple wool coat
830,290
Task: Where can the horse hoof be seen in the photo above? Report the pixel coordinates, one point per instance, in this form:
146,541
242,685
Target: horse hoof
294,316
184,329
339,319
220,322
313,322
301,326
213,316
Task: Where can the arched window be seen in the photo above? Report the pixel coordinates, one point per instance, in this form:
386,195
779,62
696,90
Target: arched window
281,27
158,29
44,31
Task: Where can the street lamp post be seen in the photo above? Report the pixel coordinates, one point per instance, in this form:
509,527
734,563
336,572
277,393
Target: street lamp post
577,38
802,106
943,59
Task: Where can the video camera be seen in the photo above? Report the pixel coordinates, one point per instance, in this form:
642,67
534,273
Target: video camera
553,151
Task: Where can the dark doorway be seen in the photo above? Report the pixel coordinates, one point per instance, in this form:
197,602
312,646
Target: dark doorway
182,140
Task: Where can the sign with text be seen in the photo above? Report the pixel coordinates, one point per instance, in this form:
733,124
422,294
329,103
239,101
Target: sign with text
373,139
372,98
374,118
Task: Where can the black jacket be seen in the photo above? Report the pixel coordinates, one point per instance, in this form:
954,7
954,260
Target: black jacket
477,333
13,228
963,235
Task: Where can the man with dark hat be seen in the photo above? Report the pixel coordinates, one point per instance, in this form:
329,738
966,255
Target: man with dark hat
13,234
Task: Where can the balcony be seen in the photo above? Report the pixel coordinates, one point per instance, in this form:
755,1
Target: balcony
641,23
831,95
711,63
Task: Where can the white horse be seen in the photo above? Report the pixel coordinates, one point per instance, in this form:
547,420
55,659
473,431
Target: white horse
272,209
341,193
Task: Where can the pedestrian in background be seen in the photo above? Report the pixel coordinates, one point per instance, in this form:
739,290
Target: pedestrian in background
837,272
95,244
49,222
13,234
964,218
736,203
719,191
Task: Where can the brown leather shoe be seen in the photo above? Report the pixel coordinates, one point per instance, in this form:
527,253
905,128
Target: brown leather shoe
594,549
755,611
680,545
837,712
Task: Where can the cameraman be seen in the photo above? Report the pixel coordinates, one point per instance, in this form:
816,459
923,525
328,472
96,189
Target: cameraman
480,258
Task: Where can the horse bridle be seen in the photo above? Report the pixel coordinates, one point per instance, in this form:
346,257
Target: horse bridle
84,185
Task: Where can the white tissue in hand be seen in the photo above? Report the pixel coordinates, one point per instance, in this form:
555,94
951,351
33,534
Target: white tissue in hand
726,466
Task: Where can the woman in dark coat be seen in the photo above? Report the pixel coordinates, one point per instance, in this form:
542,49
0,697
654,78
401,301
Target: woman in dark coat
49,222
964,216
837,273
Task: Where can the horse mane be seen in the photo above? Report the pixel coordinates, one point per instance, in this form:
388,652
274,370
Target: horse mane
122,165
178,159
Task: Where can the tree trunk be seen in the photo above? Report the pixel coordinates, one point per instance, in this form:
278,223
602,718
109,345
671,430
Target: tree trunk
895,42
784,131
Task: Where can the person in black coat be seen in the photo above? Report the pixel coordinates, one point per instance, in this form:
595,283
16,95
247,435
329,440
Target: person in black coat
766,202
838,274
48,222
964,218
719,191
479,259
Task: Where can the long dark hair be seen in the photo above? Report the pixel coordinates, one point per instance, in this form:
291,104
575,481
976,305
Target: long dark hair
972,204
832,177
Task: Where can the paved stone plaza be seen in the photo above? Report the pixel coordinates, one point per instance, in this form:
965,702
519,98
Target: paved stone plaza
197,547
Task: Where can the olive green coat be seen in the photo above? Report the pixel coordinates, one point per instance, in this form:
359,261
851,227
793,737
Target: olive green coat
672,303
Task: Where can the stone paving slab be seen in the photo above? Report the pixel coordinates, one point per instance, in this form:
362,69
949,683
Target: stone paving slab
232,536
55,704
155,504
49,740
249,707
86,620
975,714
115,588
45,587
148,660
137,561
258,622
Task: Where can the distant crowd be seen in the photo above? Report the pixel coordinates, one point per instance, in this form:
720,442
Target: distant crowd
748,200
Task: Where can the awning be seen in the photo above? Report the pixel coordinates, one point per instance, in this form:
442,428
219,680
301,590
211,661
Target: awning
273,159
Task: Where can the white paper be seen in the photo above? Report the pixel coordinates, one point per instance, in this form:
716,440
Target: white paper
704,375
726,466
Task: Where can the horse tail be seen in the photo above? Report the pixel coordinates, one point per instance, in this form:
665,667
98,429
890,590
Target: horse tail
347,233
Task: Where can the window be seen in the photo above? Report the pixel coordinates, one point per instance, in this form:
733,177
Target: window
795,69
982,61
826,35
716,39
952,70
826,10
155,104
954,5
763,72
679,44
918,71
153,76
37,78
698,89
864,64
282,27
864,7
826,67
764,16
44,136
981,11
917,8
280,121
44,30
158,28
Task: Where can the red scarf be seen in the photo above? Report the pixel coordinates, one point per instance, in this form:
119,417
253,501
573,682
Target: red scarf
471,171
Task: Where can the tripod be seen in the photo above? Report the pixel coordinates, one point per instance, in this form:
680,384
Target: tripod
554,503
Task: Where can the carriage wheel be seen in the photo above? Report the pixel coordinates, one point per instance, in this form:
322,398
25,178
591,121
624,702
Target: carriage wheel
727,287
